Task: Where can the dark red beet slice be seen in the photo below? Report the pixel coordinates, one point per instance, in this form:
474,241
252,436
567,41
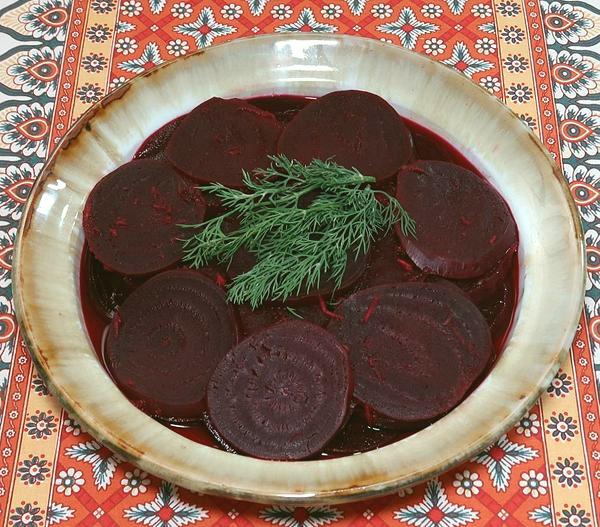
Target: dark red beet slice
464,227
388,264
482,289
284,107
108,289
221,443
220,138
166,340
131,218
498,312
427,148
214,273
154,146
243,260
282,393
415,348
254,320
357,129
358,436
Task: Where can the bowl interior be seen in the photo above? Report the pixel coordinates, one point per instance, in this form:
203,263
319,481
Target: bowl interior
487,133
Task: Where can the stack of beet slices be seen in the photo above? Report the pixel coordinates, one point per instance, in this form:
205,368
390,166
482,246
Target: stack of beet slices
414,327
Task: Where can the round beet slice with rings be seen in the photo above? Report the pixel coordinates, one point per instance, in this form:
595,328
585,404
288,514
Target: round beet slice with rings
220,138
131,217
355,128
416,348
166,340
464,227
283,393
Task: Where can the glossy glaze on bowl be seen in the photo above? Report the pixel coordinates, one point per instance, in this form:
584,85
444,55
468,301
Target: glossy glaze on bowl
551,254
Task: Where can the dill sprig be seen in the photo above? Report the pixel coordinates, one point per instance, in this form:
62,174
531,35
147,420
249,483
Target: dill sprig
301,222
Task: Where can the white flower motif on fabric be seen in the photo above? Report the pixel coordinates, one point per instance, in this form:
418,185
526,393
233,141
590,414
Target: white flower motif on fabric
485,45
382,10
72,427
69,481
281,12
490,83
528,425
467,483
135,482
533,484
432,11
126,45
231,11
182,10
434,46
177,47
331,11
131,8
481,10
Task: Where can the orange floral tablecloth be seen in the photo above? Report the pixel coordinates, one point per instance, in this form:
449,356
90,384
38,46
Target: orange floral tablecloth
57,57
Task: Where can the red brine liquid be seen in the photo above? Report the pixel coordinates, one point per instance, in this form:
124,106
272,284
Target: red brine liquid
102,291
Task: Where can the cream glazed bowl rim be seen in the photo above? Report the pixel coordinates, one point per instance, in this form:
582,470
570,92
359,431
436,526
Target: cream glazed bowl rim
46,275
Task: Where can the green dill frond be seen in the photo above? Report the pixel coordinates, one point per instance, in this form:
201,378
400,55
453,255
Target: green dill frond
301,222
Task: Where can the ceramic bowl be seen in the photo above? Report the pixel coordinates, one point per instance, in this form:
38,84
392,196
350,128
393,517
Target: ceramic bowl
46,276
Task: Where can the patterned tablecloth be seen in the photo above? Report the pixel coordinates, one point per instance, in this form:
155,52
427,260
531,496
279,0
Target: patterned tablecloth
57,57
